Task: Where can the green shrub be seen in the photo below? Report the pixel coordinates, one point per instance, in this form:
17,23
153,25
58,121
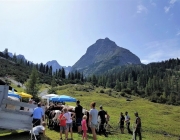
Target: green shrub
122,94
109,94
101,91
128,91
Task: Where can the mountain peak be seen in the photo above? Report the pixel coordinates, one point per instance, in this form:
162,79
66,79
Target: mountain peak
104,54
107,38
52,61
55,65
105,42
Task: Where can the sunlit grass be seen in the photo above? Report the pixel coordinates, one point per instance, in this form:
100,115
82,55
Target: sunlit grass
157,119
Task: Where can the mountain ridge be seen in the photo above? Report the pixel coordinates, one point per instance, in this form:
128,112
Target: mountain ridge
56,66
104,54
101,56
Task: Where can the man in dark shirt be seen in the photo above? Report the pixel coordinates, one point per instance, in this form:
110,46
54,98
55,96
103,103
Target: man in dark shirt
121,121
138,126
78,113
102,114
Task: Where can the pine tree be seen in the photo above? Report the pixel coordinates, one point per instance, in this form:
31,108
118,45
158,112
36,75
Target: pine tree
82,77
53,82
41,67
47,68
50,70
6,53
94,80
69,76
32,85
72,76
118,85
76,74
15,58
63,73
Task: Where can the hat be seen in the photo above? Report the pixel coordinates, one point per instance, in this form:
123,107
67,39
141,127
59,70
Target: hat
100,106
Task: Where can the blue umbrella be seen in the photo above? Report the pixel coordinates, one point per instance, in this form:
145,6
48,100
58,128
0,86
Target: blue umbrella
14,95
63,98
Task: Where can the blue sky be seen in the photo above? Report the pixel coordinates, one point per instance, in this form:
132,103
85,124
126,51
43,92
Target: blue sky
62,30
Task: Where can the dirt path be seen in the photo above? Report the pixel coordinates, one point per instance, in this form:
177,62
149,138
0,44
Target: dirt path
13,81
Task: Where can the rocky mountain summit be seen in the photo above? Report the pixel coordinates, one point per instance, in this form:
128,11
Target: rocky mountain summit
104,55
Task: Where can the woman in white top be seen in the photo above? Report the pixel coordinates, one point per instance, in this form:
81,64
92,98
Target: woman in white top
93,119
69,121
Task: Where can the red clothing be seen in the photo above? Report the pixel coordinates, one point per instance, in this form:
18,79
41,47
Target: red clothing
84,125
62,120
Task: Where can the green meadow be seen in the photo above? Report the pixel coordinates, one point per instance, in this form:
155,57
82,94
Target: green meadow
157,119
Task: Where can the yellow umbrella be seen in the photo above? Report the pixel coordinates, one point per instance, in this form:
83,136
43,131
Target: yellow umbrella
25,95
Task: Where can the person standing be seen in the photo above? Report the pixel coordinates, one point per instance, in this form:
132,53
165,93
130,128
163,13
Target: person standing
29,109
38,114
127,120
78,114
138,126
121,121
102,114
93,119
62,123
84,127
69,122
107,117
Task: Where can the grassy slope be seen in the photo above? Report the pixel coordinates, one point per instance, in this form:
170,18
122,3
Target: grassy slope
156,118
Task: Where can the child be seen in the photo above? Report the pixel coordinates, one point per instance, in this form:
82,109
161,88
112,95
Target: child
84,127
62,123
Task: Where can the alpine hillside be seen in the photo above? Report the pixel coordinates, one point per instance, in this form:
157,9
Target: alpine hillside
104,55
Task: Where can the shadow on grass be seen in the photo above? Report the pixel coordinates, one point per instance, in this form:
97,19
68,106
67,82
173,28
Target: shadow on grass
20,136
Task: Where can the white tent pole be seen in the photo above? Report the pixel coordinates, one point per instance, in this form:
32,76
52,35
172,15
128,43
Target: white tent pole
48,101
31,131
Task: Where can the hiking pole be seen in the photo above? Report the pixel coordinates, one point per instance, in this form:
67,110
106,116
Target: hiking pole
31,130
32,133
133,136
34,136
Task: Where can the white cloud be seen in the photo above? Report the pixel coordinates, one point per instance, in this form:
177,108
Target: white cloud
145,61
178,33
171,4
152,3
161,50
172,1
141,8
166,9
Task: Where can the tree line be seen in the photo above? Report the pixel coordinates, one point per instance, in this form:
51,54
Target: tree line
34,74
159,82
45,70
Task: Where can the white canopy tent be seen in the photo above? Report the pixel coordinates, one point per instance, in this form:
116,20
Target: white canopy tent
48,96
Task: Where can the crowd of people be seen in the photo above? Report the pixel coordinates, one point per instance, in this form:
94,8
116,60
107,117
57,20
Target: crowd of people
85,121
